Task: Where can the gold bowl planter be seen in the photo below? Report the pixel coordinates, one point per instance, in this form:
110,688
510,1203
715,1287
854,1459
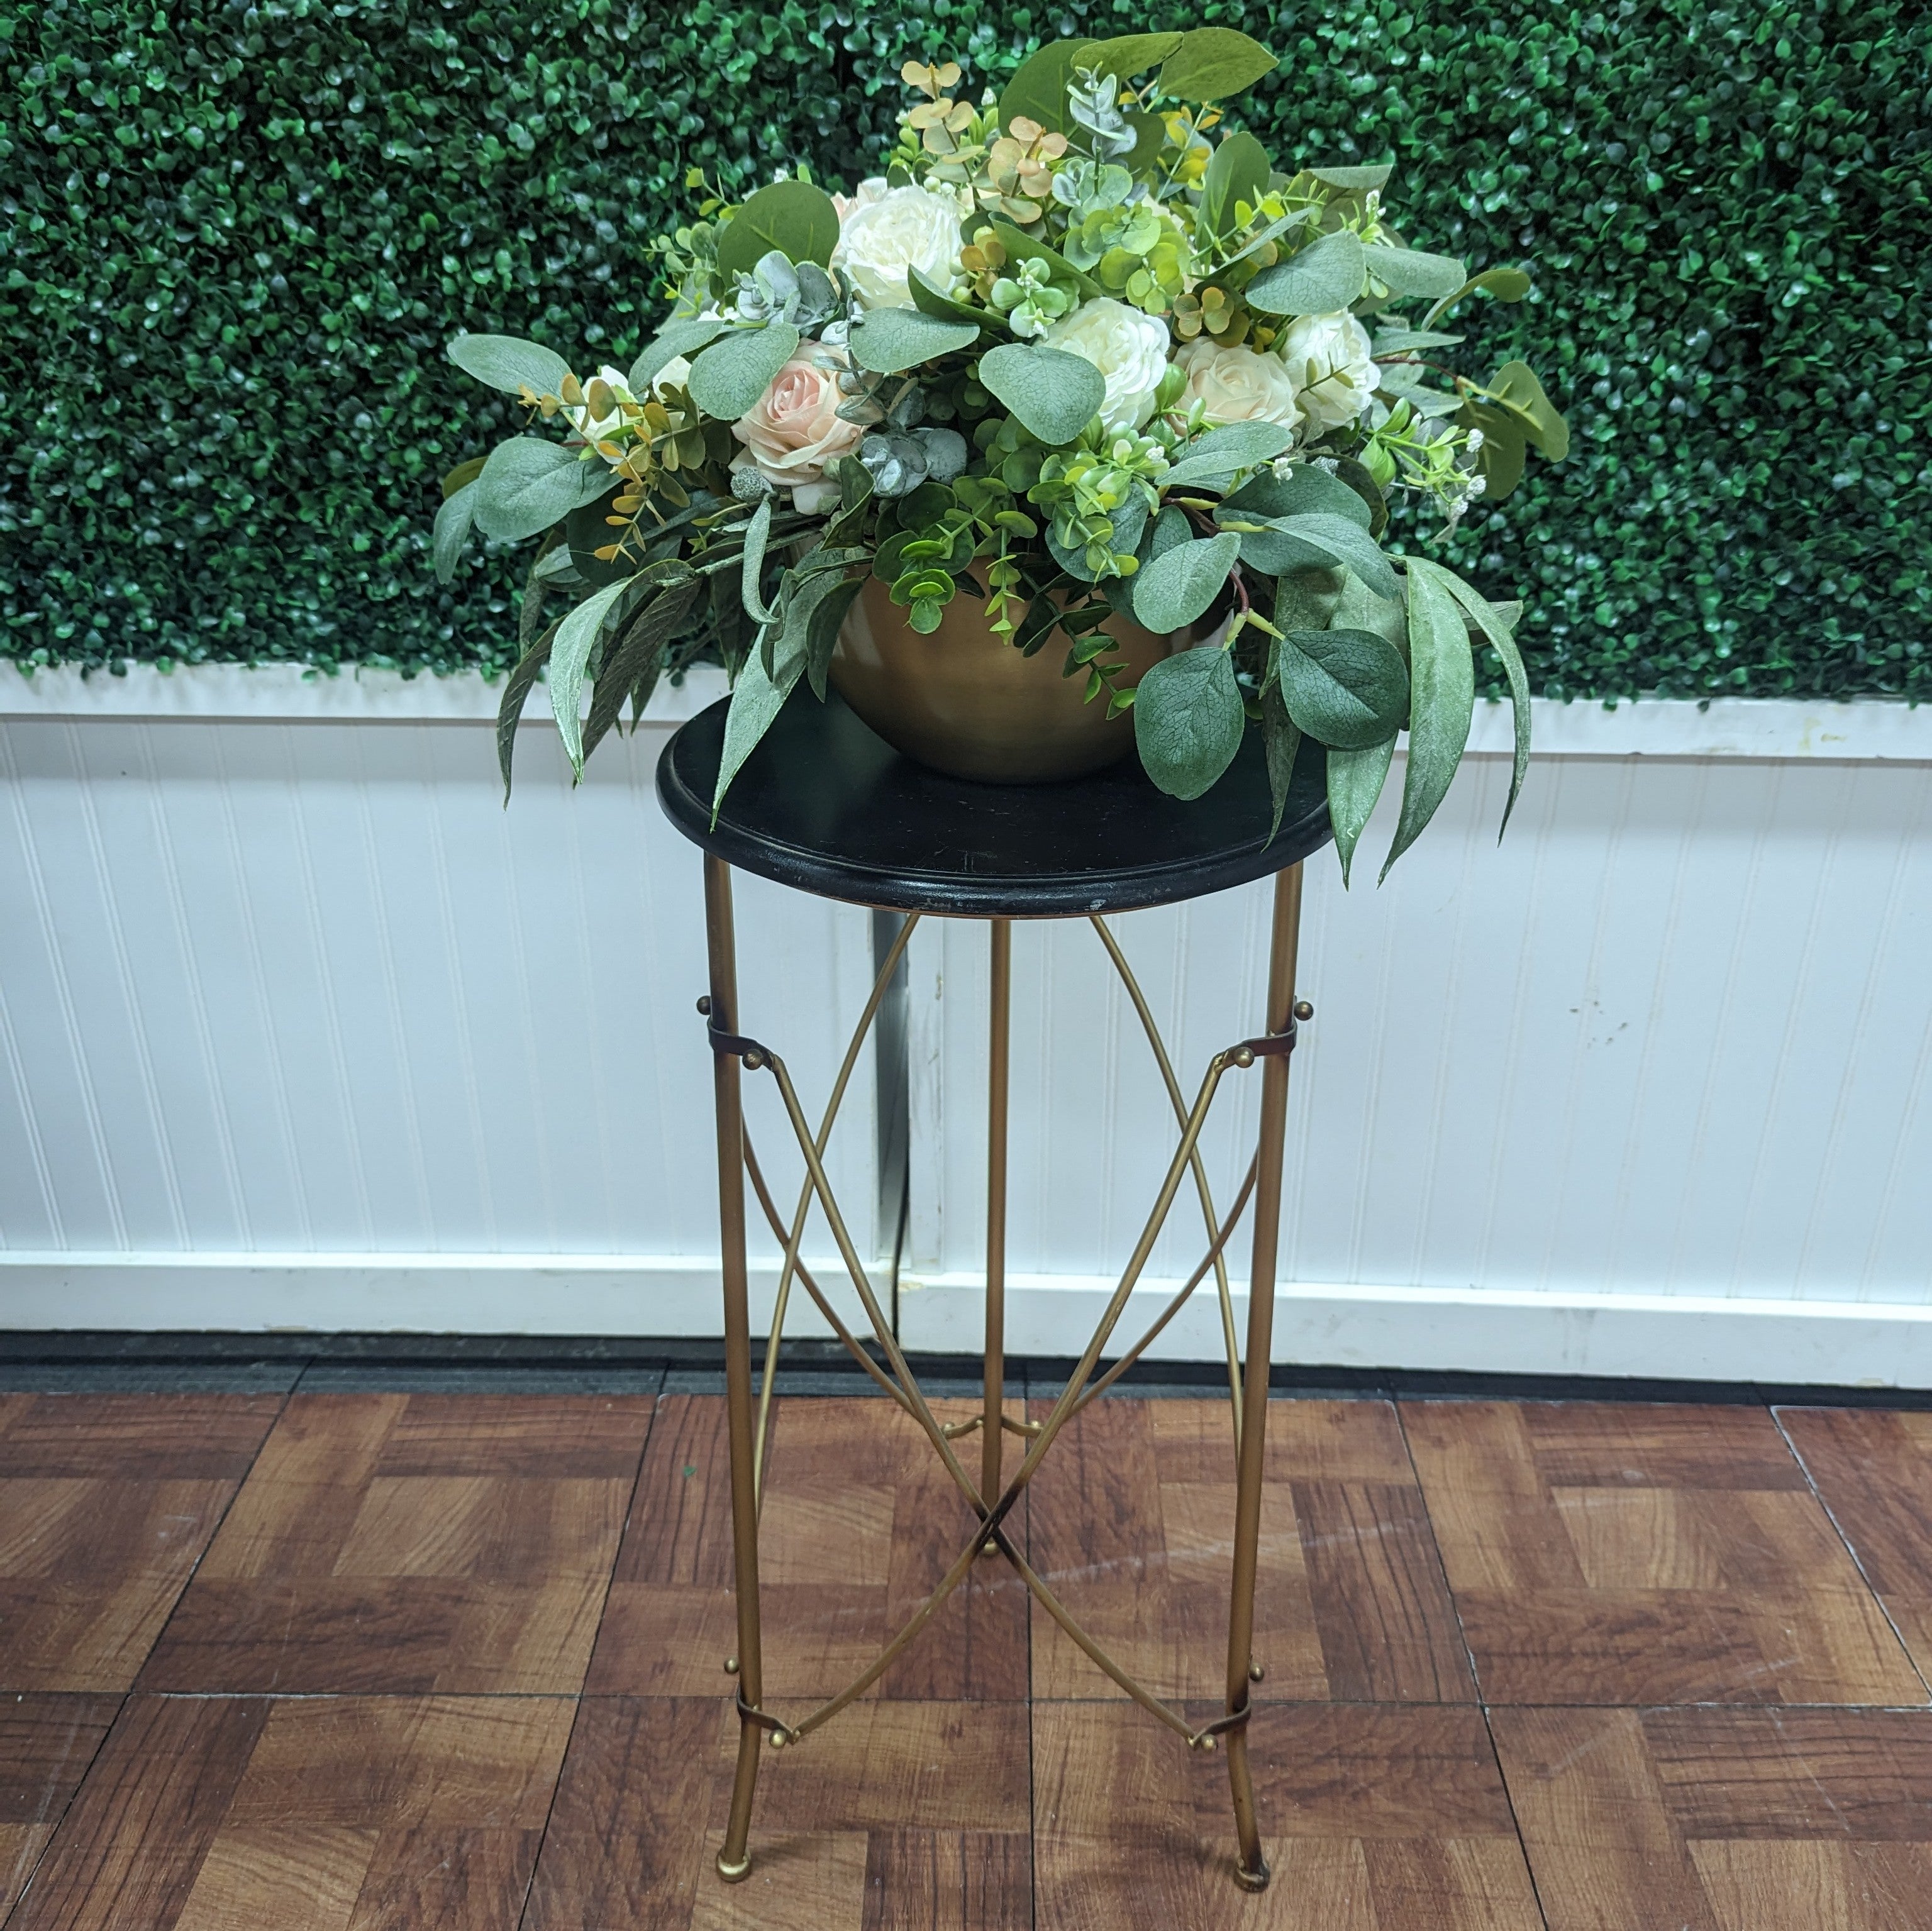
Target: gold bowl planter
963,700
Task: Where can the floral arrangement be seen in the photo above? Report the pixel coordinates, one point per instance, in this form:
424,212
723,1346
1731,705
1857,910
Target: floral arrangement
1083,351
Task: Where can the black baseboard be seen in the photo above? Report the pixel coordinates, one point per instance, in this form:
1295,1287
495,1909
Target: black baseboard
108,1361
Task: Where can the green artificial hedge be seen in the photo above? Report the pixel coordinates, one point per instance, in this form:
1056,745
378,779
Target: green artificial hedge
234,239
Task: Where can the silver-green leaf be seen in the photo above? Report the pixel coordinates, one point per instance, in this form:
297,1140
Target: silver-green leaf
1340,539
1410,271
889,340
1348,687
529,483
756,701
1174,589
452,529
1442,699
569,654
1188,721
1217,455
1054,394
1355,781
509,363
1497,621
683,336
1326,276
730,375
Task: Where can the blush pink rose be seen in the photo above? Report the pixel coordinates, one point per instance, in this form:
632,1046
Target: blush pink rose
793,430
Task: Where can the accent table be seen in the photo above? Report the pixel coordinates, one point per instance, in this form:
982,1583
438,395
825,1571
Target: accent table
824,805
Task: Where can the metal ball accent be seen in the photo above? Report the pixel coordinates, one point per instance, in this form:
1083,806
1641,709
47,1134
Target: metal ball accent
1303,1012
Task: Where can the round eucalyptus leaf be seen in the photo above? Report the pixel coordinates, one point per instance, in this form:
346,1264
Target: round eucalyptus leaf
509,363
1349,688
730,375
1188,721
1174,589
1054,395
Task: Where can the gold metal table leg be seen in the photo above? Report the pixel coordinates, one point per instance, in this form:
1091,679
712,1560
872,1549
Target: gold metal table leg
996,1497
999,1028
734,1861
1251,1870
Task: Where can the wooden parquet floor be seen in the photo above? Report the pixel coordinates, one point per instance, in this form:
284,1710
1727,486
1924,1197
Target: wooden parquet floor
361,1662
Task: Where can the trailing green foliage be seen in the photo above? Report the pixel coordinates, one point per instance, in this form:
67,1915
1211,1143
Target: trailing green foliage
235,240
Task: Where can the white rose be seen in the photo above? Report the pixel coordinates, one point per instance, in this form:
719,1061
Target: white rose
1128,347
905,228
674,375
1237,384
794,430
874,188
1330,359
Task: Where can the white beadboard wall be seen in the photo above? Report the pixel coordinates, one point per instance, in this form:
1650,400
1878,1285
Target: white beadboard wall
1648,1090
299,1028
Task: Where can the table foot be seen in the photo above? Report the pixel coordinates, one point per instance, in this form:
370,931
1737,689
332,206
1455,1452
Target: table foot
1254,1879
737,1872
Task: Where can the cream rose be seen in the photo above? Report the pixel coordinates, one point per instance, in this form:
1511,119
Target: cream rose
1238,385
1128,348
1329,357
879,240
794,430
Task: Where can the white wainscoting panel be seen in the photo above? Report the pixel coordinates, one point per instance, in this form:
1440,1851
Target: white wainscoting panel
299,1028
1646,1090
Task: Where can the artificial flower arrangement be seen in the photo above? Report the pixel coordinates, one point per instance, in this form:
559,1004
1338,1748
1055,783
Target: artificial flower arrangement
1083,356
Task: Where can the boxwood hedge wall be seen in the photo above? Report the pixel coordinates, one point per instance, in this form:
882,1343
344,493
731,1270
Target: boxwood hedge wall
234,237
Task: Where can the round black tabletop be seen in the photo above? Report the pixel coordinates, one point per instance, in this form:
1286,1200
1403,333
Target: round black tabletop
826,805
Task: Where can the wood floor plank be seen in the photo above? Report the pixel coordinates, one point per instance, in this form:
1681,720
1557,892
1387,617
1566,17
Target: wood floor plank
1351,1600
1382,1819
642,1781
936,1793
1874,1470
321,1814
46,1743
948,1881
1725,1819
1630,1554
128,1850
860,1522
410,1545
107,1503
136,1438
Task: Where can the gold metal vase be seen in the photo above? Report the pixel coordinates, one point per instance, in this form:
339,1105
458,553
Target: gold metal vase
963,700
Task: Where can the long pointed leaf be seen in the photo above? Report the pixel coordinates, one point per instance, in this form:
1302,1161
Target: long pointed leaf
1355,781
458,511
1442,699
1280,742
1496,624
569,655
753,564
639,654
756,701
516,692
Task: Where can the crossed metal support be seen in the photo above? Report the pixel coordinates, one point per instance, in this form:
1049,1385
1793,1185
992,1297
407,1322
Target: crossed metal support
992,1497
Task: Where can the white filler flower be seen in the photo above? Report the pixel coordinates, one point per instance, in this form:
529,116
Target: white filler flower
1128,348
880,240
1331,358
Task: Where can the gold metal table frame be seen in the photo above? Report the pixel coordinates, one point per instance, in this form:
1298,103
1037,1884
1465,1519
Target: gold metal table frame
991,1497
